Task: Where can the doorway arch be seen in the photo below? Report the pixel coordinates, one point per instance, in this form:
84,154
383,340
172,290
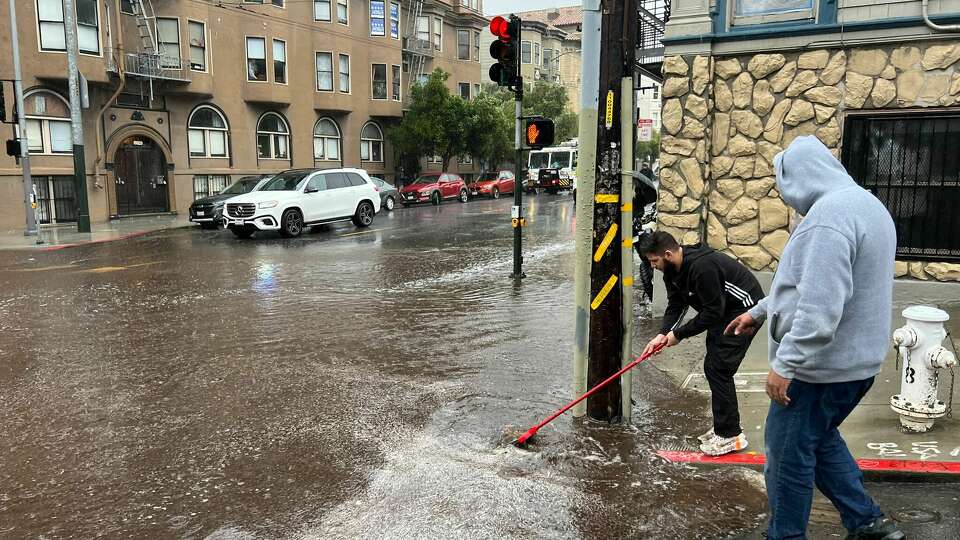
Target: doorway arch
140,176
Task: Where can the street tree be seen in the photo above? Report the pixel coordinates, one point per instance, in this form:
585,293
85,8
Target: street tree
490,131
546,99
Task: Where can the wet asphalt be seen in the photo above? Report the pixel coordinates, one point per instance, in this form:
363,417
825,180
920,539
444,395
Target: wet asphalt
350,383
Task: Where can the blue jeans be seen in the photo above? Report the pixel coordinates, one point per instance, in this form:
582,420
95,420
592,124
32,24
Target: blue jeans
804,448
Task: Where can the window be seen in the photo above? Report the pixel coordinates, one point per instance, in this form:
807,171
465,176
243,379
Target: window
279,61
324,72
377,18
395,86
476,46
343,12
206,185
476,91
464,90
536,54
273,137
126,6
207,133
525,48
256,59
395,20
321,10
278,3
423,32
371,143
197,33
765,11
326,140
168,43
48,123
337,180
463,44
547,58
50,21
344,74
438,34
465,160
55,199
379,81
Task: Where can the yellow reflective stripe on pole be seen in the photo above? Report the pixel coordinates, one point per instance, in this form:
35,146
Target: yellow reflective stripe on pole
627,282
607,240
602,295
607,198
628,243
627,207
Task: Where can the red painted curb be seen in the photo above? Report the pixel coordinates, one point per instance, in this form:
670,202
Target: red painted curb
104,241
881,465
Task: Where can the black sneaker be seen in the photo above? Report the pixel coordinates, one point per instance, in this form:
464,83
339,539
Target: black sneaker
882,529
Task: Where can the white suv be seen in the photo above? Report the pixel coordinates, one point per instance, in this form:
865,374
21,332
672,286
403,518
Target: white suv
298,198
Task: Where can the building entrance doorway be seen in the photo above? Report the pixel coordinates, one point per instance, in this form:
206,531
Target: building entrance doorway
140,174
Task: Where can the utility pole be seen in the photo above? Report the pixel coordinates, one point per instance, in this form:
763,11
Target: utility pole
616,23
517,213
22,123
76,117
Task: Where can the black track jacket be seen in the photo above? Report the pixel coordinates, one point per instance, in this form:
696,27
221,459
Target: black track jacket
717,286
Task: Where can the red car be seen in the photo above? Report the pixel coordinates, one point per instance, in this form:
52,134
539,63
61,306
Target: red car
434,187
493,184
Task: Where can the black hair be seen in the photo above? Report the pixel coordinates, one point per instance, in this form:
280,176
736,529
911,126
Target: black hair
657,243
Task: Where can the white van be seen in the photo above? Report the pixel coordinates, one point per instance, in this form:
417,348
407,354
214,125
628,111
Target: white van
563,158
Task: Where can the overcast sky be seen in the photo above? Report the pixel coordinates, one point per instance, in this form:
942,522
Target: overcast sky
496,7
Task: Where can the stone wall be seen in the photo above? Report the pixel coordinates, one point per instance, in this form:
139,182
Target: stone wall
742,111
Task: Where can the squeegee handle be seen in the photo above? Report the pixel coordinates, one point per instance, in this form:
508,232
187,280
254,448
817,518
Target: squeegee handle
597,388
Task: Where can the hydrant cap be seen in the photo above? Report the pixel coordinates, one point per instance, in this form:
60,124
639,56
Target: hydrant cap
925,314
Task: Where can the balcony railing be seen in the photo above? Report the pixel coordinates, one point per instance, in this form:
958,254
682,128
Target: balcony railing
418,46
155,66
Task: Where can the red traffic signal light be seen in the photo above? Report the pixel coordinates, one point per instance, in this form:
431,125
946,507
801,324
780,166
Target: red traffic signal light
539,133
500,27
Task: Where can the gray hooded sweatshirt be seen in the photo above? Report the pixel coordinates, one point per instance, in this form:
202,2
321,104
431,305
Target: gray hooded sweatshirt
829,306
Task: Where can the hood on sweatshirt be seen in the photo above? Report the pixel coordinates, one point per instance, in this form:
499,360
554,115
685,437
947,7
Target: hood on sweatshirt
806,171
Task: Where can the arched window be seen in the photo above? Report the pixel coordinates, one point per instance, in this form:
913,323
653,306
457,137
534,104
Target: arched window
371,143
273,137
48,123
207,133
326,140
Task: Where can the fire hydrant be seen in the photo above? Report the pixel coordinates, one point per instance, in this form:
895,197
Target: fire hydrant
919,347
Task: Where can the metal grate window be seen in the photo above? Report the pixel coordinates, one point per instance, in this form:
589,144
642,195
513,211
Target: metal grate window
55,199
206,185
910,162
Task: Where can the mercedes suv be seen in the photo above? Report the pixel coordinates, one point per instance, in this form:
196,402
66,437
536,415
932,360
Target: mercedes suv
295,199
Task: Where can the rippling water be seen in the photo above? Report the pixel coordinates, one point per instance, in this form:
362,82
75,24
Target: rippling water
340,385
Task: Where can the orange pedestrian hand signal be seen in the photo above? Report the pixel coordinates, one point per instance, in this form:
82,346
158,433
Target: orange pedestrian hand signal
539,133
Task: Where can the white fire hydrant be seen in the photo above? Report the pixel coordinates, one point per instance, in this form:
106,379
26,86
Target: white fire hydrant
919,346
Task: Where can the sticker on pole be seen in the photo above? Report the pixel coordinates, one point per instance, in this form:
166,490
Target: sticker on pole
608,121
645,129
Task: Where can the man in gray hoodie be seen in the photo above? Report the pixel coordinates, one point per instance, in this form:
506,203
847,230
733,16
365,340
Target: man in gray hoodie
829,330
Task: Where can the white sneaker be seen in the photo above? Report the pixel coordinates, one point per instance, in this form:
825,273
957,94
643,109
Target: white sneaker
706,436
719,446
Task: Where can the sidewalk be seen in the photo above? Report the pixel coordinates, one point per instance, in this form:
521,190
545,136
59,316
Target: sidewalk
872,430
64,236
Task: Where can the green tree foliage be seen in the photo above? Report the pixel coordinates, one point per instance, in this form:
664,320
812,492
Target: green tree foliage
545,99
490,136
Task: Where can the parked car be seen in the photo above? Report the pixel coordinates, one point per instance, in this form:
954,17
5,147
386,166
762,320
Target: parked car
434,187
388,193
493,184
208,211
298,198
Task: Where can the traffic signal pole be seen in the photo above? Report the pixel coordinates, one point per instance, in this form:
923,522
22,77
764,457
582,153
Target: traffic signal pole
22,123
517,213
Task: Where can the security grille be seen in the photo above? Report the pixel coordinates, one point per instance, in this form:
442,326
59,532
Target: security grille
911,163
55,199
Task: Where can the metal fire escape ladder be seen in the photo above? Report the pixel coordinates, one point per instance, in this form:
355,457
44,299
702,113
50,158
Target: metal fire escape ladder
145,17
653,15
417,58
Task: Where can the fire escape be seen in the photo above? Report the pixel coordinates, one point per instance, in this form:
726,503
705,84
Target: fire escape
148,63
416,51
654,15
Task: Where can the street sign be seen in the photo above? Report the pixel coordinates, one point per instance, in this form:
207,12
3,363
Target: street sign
645,129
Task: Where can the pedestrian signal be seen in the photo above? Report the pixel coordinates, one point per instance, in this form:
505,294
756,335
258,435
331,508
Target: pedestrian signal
539,133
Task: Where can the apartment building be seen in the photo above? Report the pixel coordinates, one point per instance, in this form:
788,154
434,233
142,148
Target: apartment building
186,96
549,50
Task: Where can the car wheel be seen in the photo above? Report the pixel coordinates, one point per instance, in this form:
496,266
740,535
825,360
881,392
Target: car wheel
291,224
389,204
435,199
496,193
242,232
463,196
208,226
364,215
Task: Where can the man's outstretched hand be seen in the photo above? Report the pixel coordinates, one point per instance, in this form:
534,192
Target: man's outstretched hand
668,340
744,325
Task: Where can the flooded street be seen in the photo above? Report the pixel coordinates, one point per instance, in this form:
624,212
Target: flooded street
346,384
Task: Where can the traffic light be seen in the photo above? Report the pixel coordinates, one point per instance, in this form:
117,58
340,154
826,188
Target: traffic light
505,50
539,133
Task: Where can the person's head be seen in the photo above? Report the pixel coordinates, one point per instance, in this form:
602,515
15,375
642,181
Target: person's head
661,249
806,171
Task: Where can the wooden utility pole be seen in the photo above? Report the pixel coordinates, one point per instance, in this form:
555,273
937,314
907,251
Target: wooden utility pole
617,57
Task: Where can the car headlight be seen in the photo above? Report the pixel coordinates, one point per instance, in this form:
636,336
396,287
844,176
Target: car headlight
268,204
425,192
219,204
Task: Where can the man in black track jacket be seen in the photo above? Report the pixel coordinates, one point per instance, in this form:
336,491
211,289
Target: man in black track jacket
720,289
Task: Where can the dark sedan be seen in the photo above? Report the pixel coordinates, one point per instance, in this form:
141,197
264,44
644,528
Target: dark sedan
208,211
388,193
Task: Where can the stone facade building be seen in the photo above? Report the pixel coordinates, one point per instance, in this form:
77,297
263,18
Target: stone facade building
186,97
877,86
